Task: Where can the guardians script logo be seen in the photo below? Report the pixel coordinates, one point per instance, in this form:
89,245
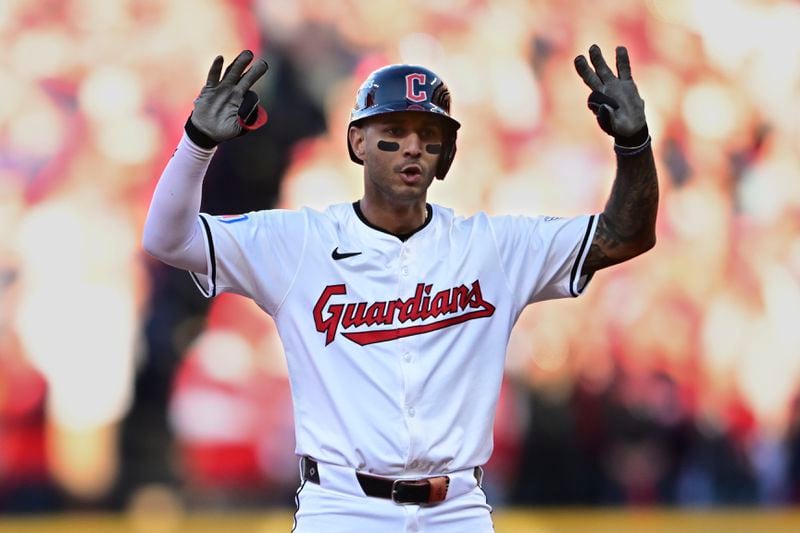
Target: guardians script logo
450,307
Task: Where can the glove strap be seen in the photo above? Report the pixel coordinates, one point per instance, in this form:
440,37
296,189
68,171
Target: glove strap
633,145
198,137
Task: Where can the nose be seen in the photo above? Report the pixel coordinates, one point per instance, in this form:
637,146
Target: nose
412,146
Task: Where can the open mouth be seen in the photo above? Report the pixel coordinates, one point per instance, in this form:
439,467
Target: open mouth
411,171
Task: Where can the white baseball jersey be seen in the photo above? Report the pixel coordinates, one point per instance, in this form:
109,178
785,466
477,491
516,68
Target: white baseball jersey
395,348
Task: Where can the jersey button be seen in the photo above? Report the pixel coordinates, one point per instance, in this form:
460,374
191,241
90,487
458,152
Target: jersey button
411,412
407,357
404,271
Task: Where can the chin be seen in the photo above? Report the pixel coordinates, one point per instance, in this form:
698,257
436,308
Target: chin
410,193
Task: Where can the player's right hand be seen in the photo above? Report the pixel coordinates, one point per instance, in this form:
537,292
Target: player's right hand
217,109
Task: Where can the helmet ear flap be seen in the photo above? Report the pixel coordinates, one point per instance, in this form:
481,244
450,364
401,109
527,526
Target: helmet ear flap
447,155
353,156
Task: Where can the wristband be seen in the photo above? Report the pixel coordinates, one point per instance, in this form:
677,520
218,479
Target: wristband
634,144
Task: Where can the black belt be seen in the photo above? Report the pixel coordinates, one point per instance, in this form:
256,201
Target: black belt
412,491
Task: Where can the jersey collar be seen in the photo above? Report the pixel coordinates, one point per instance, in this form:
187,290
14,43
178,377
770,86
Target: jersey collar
402,236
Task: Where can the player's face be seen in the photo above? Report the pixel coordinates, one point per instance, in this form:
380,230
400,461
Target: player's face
400,153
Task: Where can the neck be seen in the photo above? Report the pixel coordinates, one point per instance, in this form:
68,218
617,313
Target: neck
394,218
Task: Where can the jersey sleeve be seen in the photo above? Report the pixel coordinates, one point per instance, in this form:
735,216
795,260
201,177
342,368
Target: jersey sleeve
542,257
255,254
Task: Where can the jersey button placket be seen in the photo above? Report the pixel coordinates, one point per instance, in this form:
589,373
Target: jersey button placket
406,352
404,260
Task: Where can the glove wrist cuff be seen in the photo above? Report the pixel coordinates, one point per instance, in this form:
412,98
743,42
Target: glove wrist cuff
198,137
634,144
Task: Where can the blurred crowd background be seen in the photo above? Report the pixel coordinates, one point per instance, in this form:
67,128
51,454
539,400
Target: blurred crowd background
675,379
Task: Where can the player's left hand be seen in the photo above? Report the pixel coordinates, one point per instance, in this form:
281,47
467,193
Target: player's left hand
614,99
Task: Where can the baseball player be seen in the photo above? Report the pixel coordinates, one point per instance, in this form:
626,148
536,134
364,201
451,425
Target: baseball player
394,312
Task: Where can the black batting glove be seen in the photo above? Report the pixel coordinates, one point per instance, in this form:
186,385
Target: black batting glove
227,108
614,100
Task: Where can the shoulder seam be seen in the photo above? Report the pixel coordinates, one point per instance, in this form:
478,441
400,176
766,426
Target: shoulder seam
498,256
299,263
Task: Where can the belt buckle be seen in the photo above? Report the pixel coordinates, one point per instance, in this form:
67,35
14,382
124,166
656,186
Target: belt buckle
395,492
436,493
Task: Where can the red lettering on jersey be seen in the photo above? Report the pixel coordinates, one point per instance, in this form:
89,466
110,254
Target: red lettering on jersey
329,325
466,303
414,92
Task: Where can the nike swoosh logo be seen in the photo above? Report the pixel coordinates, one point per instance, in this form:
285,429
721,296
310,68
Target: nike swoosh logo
336,255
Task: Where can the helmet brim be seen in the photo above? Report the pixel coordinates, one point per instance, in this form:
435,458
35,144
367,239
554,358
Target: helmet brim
403,107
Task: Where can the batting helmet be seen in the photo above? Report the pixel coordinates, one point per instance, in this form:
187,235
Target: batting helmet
397,88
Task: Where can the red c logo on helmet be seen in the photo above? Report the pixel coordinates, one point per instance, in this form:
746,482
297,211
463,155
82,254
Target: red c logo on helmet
414,92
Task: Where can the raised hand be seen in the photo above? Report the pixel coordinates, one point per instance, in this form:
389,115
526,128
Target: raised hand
614,99
226,106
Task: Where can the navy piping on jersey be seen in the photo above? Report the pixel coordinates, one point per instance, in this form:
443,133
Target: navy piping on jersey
402,236
297,504
212,278
574,272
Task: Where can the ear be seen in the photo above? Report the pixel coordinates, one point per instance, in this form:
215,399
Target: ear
357,138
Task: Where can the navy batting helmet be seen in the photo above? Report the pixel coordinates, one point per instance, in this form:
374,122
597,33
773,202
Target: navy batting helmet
397,88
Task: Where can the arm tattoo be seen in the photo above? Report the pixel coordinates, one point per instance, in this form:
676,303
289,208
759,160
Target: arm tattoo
626,228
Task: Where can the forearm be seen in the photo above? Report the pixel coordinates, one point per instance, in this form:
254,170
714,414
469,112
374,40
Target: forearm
171,232
626,227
